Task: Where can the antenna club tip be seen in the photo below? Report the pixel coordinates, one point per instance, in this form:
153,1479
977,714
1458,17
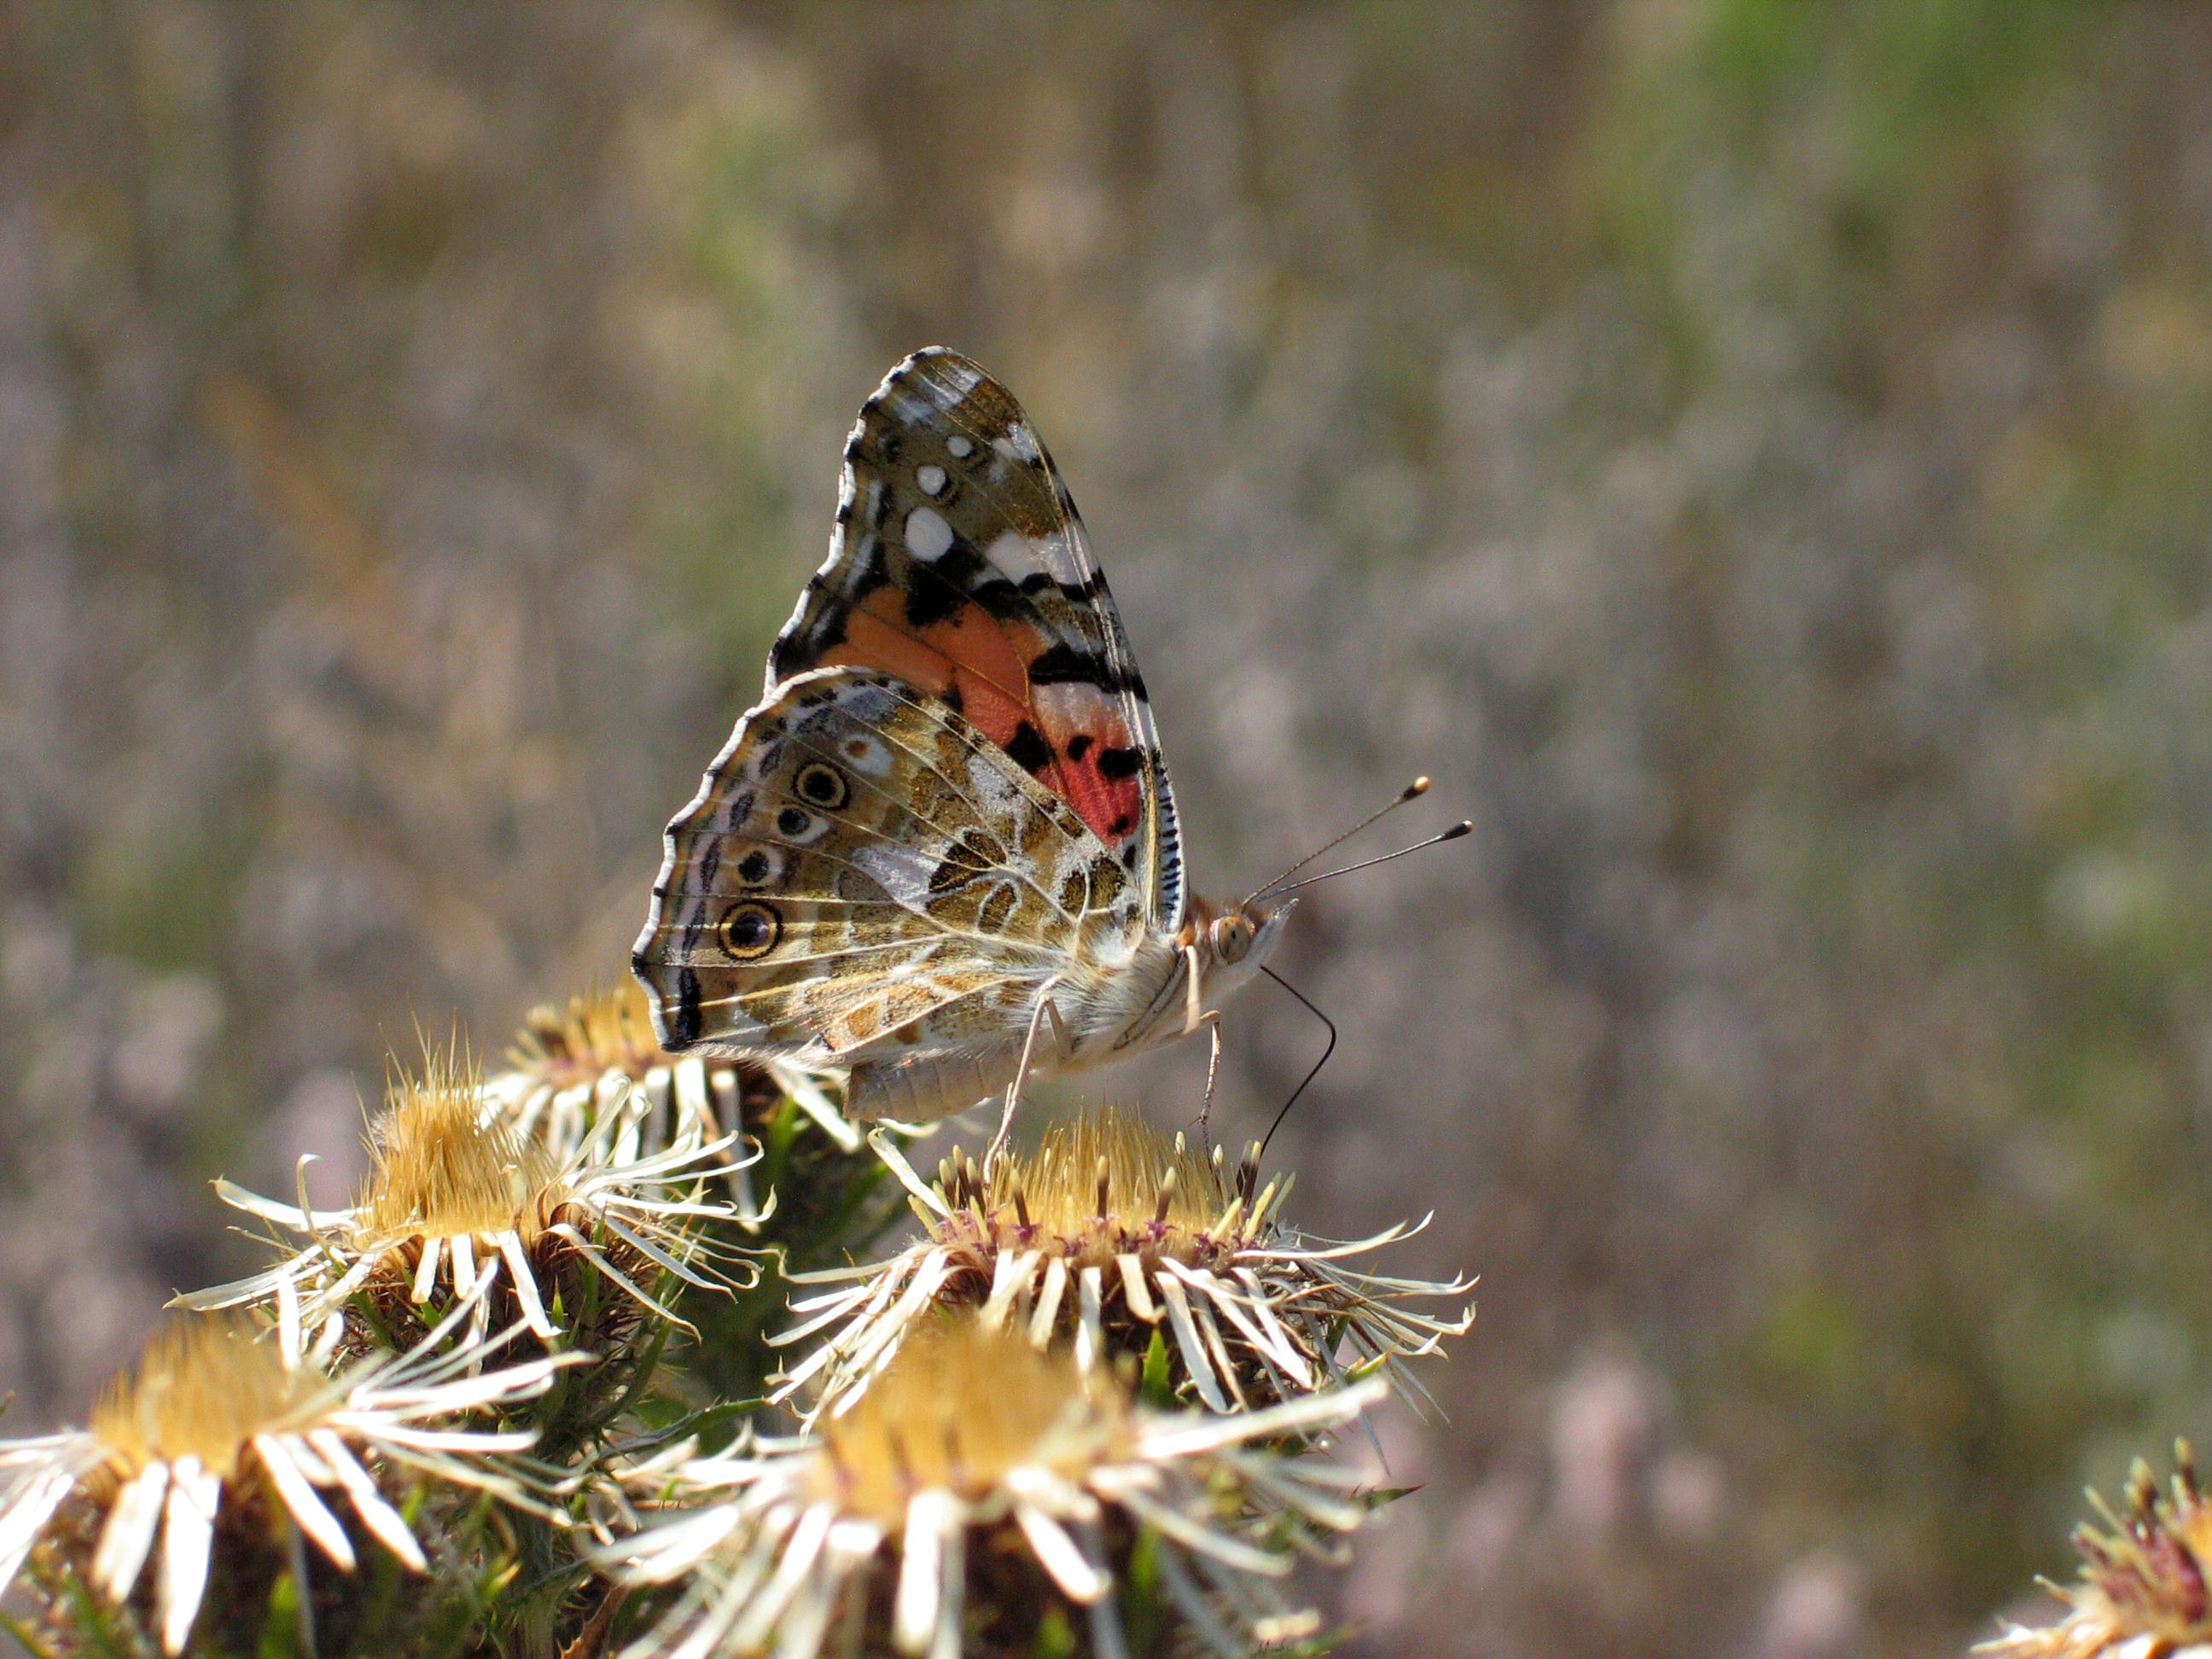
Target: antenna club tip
1464,826
1418,786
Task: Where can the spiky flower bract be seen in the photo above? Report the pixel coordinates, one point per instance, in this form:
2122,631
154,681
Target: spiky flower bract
805,1192
460,1208
2142,1590
180,1507
574,1064
981,1495
1108,1235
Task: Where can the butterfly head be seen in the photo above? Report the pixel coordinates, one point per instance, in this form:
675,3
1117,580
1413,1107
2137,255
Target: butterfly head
1234,939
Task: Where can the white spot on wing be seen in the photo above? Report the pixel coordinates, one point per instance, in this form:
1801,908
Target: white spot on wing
927,535
931,478
909,409
865,755
901,872
1020,443
993,791
1012,553
959,447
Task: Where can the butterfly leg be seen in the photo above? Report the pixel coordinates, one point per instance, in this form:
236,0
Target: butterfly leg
1045,1007
1213,1022
1194,1015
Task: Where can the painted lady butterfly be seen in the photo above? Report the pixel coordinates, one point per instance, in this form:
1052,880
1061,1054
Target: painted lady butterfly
947,833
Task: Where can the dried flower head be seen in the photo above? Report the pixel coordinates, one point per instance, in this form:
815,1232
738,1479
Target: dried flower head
1107,1233
460,1207
221,1426
572,1067
2142,1586
981,1488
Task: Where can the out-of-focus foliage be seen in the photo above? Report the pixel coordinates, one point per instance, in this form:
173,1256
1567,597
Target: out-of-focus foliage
1751,453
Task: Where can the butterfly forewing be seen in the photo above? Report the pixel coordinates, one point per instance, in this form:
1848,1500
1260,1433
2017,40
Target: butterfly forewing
958,564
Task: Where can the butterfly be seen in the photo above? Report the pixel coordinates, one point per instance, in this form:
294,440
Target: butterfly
942,853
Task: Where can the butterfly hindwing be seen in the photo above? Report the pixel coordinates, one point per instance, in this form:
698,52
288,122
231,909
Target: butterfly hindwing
865,875
958,564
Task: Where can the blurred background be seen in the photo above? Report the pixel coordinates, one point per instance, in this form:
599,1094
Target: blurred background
1754,454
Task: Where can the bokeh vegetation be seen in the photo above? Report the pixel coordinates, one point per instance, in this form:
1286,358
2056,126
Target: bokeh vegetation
1750,453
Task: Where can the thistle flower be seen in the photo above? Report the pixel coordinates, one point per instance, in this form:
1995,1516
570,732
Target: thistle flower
2141,1593
1107,1233
221,1432
456,1204
980,1491
572,1067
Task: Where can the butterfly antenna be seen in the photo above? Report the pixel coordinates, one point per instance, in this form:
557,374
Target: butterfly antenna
1465,826
1414,791
1317,1065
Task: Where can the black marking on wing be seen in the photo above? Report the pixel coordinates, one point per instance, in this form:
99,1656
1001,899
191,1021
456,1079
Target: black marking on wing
1028,749
1063,665
687,1019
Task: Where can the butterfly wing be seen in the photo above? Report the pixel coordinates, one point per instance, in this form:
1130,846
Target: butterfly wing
958,564
866,879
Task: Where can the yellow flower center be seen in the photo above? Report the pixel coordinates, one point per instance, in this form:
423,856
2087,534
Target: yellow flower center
1097,1185
440,1171
958,1409
600,1032
205,1386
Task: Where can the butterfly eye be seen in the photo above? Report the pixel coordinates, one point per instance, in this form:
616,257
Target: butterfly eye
750,931
1232,937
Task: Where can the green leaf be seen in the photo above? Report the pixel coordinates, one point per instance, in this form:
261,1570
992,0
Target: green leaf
1157,1387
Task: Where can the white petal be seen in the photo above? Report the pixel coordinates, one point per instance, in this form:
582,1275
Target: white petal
461,1440
806,1094
1133,1287
952,1599
929,1517
1090,1326
377,1515
1011,1279
1191,1600
240,1290
615,1225
288,1343
1057,1554
904,1170
465,1263
284,1215
327,1338
1189,1345
916,1298
1173,1523
426,1271
326,1303
187,1540
1201,1434
129,1534
28,1508
299,1497
1048,1307
799,1552
525,1286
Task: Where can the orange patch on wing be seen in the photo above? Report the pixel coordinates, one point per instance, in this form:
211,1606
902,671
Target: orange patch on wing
1109,806
969,652
986,660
